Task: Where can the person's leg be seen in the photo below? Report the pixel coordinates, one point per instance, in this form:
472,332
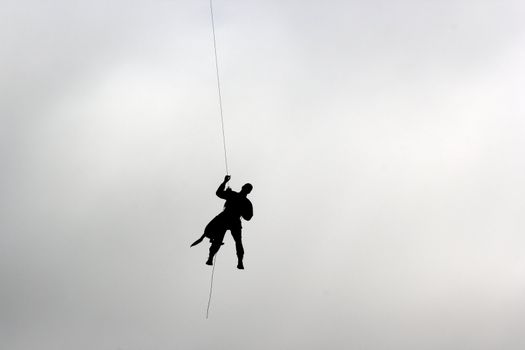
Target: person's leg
216,243
237,237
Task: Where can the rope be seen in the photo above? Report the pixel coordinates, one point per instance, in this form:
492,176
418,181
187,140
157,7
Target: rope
223,136
218,85
211,285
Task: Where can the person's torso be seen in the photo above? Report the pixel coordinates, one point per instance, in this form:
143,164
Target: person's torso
235,205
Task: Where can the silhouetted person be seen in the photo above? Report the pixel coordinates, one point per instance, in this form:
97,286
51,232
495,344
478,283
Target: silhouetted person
236,206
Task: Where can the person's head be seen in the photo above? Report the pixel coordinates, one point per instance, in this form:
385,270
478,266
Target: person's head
247,188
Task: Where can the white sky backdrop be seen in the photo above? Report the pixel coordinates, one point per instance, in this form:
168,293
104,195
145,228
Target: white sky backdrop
384,139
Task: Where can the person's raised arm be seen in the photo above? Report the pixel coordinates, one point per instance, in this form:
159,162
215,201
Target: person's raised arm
221,192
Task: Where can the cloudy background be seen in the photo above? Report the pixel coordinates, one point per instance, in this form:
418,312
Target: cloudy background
384,139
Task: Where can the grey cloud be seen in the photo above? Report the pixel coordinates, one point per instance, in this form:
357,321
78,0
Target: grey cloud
383,141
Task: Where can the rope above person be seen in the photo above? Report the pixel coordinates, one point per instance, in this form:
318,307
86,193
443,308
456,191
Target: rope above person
218,86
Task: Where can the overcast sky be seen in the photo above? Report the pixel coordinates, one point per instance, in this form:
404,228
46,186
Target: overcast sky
384,139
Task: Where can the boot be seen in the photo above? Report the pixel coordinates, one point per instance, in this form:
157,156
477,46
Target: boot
240,266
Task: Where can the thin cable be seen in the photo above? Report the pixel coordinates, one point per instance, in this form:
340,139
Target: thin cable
223,136
211,285
218,86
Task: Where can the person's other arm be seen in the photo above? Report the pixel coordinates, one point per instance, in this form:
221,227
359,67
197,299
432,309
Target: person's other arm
221,192
248,211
